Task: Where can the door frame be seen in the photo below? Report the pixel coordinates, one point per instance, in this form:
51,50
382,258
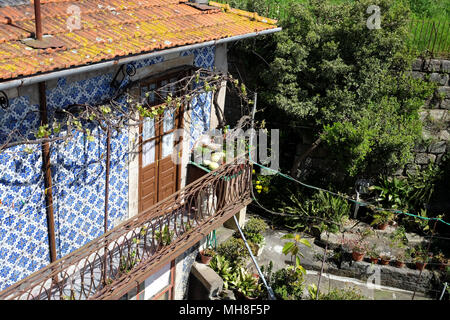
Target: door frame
178,72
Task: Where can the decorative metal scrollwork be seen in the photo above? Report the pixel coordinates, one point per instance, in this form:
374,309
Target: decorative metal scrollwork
128,69
4,101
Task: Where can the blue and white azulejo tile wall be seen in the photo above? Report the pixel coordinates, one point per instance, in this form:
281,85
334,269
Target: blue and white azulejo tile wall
78,174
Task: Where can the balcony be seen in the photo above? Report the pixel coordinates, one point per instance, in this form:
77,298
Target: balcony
112,265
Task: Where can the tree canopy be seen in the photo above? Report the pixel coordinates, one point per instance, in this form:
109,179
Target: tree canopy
351,83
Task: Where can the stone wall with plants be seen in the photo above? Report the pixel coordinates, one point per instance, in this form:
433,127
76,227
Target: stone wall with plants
435,115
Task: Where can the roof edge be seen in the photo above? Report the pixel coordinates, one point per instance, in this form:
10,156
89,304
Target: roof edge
13,83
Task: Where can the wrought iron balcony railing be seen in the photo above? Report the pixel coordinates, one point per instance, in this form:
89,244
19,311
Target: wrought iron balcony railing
111,265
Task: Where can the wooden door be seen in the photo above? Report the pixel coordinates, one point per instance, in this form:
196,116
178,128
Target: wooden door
159,176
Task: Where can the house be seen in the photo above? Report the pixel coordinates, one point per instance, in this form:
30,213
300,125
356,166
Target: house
80,217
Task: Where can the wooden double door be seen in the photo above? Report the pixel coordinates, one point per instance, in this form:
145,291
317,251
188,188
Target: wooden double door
159,175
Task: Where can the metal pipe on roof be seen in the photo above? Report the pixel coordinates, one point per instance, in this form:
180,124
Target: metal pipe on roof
38,19
119,61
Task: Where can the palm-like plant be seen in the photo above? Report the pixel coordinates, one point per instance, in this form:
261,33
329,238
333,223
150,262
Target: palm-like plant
293,248
393,193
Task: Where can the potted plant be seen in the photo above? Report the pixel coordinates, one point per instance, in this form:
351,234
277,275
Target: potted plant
401,257
385,258
441,261
206,255
373,254
420,257
247,287
358,248
253,232
381,219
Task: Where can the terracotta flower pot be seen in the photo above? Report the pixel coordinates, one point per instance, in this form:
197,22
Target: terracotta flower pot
374,260
420,265
384,261
357,256
204,259
399,264
383,226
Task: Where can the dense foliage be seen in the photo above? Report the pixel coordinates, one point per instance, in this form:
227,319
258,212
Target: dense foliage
349,84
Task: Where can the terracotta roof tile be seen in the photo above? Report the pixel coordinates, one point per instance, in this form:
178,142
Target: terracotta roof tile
111,29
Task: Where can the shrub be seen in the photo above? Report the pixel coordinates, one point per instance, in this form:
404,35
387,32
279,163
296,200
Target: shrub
234,250
255,225
288,283
253,230
342,294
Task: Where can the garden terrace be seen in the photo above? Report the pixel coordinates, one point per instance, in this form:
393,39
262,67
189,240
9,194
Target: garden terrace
111,265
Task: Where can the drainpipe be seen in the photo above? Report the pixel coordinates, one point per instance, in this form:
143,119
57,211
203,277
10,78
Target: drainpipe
46,166
38,19
108,164
105,226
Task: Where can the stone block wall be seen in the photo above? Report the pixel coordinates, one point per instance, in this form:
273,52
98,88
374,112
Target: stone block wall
435,114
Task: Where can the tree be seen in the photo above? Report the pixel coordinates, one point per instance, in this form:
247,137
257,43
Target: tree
349,83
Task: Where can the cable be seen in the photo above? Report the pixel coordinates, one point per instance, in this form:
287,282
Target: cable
269,289
344,197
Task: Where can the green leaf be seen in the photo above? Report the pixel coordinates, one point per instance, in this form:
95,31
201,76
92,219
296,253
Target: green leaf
305,242
302,270
288,247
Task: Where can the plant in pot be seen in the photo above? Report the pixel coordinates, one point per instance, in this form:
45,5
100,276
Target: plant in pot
401,257
421,257
398,244
234,250
373,254
224,269
381,219
440,260
358,247
206,255
246,286
287,283
385,258
253,232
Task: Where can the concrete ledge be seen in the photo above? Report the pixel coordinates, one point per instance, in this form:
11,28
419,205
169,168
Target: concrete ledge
205,283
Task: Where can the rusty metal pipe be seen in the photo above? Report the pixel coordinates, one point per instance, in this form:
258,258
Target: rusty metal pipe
108,164
105,226
38,19
46,166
